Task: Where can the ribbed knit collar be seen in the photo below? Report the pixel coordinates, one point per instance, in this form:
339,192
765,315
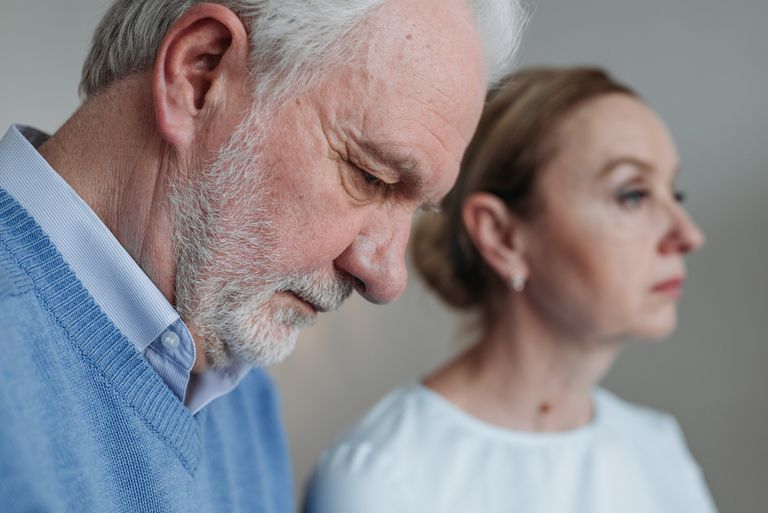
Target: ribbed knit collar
117,284
94,336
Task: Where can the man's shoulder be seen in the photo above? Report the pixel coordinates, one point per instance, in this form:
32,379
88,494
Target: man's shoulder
8,286
12,278
21,313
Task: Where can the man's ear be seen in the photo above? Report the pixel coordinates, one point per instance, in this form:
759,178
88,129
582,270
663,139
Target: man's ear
202,59
496,233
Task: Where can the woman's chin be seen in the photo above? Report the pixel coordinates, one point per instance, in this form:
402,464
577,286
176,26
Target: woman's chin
658,328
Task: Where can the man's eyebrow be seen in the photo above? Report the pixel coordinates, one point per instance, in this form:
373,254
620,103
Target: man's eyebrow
406,166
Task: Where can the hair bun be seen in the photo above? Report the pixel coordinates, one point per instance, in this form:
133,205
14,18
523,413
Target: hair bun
436,262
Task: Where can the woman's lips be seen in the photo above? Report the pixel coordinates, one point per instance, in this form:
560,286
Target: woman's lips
672,287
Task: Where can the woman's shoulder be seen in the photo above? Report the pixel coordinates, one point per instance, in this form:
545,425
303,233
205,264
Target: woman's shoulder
658,442
398,421
363,467
636,421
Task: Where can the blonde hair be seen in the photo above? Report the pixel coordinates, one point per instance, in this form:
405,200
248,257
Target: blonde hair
514,140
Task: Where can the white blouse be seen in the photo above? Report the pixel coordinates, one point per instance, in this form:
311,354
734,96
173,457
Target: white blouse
417,452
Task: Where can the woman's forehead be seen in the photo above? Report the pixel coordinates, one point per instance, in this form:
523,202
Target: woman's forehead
609,129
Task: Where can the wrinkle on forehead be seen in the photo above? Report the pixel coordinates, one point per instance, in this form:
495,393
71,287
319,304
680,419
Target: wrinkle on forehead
405,127
412,89
440,36
462,140
417,61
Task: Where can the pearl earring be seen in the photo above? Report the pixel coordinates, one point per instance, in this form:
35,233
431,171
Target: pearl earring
518,281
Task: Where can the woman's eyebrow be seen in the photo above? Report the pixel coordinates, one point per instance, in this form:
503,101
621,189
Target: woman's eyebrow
642,165
612,164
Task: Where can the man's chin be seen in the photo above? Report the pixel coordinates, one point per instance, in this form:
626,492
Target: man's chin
259,332
269,352
261,346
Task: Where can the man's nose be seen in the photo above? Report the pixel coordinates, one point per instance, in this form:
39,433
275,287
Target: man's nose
376,259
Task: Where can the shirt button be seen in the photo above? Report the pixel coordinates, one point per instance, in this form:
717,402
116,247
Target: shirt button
170,339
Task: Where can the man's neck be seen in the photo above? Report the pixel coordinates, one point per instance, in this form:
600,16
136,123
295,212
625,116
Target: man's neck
117,163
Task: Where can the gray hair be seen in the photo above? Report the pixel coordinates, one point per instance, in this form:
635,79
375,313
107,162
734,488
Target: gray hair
290,39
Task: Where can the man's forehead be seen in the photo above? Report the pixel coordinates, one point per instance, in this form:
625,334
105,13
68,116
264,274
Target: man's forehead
419,55
428,34
412,99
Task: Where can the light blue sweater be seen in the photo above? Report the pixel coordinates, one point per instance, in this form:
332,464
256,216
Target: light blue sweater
87,425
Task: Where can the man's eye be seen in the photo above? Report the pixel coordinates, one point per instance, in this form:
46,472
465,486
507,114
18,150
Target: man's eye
370,179
362,185
633,198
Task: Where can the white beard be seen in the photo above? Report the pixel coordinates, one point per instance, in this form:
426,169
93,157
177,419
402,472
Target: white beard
226,253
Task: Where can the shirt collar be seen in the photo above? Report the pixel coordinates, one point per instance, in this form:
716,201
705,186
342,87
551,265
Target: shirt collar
118,285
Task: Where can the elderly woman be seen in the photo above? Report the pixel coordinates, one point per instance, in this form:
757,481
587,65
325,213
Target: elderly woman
567,235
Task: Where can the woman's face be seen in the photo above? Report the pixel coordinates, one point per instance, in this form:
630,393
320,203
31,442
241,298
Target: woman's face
605,248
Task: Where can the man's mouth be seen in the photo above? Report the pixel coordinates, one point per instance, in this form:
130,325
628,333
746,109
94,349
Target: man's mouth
313,308
318,296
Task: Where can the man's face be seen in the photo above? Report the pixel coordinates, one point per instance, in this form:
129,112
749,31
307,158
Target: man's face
316,197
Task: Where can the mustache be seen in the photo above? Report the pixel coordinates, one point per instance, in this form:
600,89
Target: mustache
325,292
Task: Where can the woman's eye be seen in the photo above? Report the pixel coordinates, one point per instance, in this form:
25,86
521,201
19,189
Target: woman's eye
680,196
632,199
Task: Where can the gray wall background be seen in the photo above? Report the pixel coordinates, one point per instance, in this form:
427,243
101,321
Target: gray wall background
703,65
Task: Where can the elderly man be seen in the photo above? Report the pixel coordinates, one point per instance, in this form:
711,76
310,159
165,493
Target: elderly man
236,168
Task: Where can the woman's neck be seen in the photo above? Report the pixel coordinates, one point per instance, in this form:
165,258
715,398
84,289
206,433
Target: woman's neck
523,375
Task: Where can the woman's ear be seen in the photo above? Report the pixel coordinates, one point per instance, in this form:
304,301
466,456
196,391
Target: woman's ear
201,64
497,235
